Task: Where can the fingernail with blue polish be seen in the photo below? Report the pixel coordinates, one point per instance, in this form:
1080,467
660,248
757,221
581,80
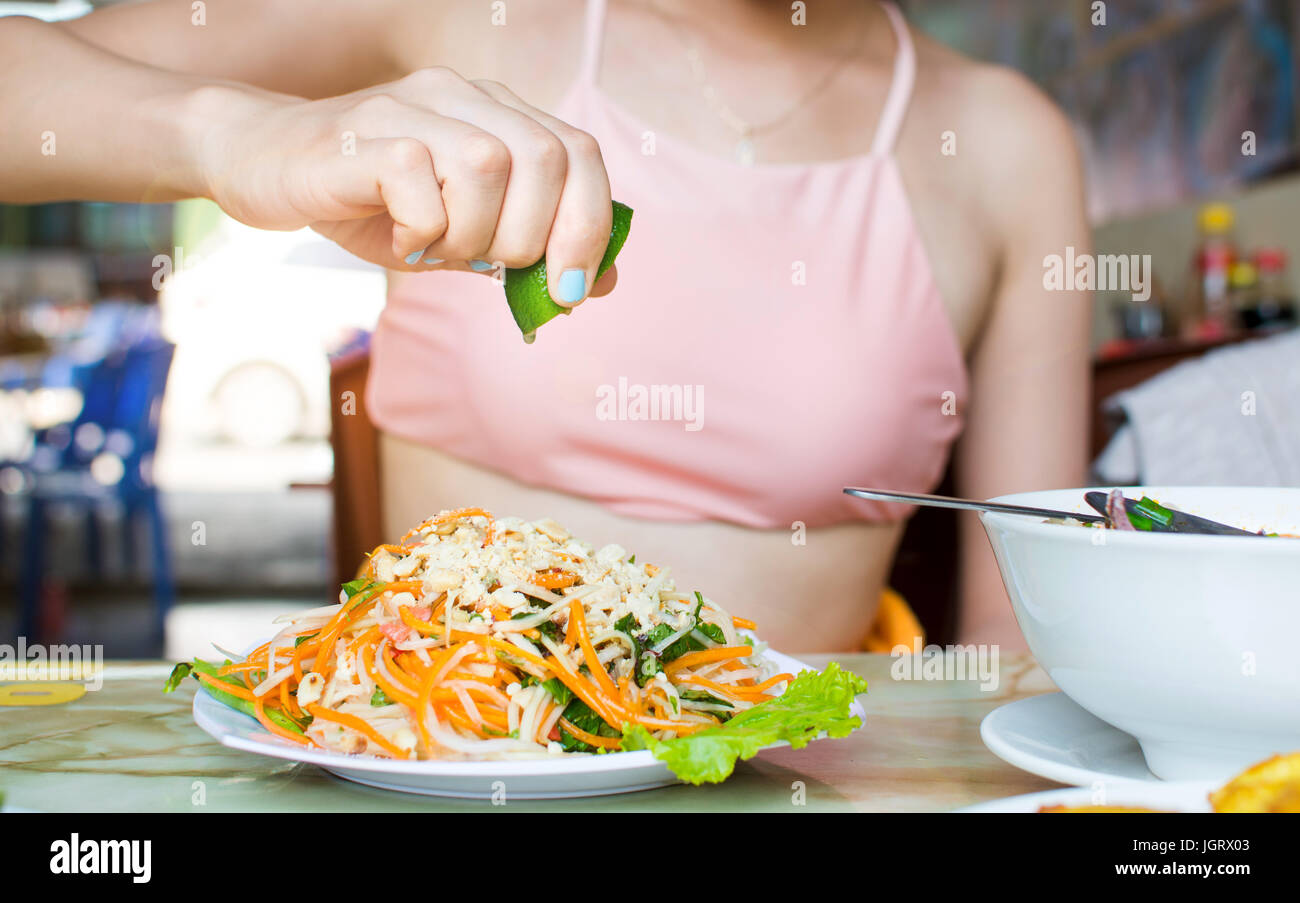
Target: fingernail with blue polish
432,260
573,286
480,266
414,256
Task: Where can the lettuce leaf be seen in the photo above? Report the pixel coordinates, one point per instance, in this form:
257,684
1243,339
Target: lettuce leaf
814,703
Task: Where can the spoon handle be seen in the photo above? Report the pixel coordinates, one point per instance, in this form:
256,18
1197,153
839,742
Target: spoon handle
944,501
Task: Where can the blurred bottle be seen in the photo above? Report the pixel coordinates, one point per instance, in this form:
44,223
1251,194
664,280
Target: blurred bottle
1243,287
1137,320
1210,313
1269,305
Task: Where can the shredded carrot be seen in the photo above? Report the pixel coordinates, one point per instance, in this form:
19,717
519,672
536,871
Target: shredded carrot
590,739
240,667
597,670
371,635
287,702
410,620
703,657
330,634
301,653
497,643
458,514
422,705
771,682
751,694
743,623
408,686
221,685
274,728
399,551
358,725
462,721
394,693
611,712
495,718
553,579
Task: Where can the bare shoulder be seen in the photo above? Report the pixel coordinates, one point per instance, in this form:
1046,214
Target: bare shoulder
1014,147
993,174
1000,108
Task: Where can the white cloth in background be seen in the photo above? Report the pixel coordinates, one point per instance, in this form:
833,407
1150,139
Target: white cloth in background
1228,418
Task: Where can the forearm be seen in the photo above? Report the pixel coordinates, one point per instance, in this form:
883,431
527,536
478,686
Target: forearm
83,123
306,48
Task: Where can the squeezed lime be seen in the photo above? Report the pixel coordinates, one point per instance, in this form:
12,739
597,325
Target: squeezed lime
526,290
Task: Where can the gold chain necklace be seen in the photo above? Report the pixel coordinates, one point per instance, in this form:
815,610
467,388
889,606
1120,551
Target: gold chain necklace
746,150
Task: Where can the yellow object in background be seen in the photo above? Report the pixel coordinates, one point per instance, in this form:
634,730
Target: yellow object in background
895,625
1216,219
40,693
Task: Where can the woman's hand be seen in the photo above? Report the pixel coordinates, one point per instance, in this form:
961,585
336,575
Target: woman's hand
431,171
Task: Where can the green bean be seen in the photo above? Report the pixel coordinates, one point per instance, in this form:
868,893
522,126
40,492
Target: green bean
238,703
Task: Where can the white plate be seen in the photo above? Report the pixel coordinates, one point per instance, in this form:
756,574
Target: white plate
1054,738
1175,796
543,778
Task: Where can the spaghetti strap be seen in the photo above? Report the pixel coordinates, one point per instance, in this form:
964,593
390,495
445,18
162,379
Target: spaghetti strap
900,89
593,40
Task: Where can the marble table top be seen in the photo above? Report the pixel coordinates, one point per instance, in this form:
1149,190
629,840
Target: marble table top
128,747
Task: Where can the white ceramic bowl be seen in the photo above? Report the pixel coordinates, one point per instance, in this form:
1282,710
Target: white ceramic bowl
1189,643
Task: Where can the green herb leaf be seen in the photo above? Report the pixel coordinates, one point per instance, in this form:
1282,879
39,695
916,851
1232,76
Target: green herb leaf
559,692
581,716
647,667
352,587
379,697
704,696
688,643
179,673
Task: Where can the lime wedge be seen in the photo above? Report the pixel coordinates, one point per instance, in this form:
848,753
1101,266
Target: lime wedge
526,290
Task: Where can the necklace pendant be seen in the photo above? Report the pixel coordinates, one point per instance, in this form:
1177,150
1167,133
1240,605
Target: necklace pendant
745,151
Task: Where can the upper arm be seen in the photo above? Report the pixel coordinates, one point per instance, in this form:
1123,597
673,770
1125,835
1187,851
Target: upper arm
317,49
1027,414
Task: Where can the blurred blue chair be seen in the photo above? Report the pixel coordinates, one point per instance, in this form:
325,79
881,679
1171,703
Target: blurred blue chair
105,455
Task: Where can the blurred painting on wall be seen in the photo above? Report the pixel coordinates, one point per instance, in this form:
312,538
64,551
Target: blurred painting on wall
1172,100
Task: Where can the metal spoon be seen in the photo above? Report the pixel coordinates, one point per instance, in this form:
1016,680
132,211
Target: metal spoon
1177,521
944,501
1180,521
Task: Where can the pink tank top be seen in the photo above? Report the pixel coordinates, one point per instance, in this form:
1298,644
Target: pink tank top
776,335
